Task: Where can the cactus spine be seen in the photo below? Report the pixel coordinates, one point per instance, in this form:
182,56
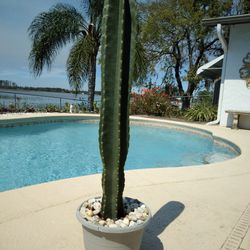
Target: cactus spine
118,42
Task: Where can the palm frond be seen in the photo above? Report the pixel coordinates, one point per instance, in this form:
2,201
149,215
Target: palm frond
50,31
79,60
93,9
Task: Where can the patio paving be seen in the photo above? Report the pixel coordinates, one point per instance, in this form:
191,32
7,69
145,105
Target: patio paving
194,208
239,237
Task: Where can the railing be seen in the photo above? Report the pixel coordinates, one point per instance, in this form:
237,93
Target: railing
20,100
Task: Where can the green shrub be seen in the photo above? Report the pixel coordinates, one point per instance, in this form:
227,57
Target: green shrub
177,113
12,108
66,107
76,108
150,102
96,107
205,96
25,107
51,108
3,109
82,107
202,112
29,109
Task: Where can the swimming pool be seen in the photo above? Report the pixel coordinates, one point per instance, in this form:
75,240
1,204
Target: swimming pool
38,153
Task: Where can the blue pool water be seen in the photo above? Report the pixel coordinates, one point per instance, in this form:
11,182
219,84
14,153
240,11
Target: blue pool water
45,152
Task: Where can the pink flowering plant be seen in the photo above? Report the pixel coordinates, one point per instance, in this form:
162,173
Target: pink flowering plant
152,101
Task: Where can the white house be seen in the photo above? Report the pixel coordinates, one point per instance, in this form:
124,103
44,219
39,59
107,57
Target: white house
234,95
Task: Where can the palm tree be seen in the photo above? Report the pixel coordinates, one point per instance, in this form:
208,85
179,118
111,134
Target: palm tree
63,23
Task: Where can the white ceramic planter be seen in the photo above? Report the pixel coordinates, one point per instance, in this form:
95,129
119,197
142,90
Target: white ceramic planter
105,238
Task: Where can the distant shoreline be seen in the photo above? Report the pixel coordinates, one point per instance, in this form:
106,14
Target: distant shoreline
46,89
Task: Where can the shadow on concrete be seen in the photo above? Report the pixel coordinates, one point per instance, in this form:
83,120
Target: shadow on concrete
167,214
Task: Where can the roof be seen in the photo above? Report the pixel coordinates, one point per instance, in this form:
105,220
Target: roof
227,20
211,70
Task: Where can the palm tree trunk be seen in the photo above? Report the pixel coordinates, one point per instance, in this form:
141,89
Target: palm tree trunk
91,83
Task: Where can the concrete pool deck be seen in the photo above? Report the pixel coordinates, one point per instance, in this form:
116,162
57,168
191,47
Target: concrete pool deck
194,208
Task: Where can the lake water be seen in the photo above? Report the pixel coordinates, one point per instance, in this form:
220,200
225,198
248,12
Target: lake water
41,98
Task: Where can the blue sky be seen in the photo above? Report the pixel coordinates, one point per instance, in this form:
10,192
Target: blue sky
15,18
15,45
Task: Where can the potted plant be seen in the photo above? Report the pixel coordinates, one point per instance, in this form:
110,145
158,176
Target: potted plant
112,221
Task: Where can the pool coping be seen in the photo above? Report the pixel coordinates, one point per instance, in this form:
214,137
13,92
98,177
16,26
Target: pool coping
42,206
54,118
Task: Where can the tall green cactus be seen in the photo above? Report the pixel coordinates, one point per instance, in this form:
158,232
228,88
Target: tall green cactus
118,44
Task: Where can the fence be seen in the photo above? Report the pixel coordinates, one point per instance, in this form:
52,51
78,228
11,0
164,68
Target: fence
178,100
19,100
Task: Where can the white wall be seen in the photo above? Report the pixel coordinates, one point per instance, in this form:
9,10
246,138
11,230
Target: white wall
236,96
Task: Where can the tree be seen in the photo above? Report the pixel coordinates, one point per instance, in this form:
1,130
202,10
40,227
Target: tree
63,23
243,6
246,6
7,84
174,35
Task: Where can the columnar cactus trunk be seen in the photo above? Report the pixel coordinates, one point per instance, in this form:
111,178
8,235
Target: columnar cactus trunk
118,43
